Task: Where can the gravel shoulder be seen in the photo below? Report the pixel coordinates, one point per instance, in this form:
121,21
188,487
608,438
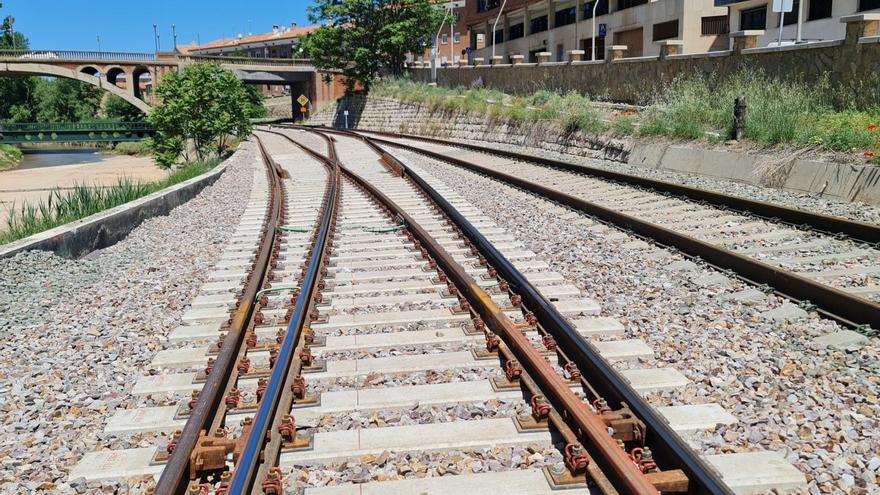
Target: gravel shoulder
804,201
816,406
78,332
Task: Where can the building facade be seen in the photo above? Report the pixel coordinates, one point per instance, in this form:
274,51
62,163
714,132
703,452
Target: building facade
452,40
820,19
528,27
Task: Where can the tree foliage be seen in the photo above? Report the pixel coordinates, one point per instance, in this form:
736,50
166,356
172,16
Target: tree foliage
363,38
201,106
118,109
16,93
66,100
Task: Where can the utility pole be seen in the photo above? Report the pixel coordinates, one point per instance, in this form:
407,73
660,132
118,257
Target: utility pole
174,35
156,36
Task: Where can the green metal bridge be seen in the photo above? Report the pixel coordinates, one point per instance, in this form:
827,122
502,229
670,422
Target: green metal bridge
96,132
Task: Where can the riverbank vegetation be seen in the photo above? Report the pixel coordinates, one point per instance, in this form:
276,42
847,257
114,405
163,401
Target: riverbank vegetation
693,108
9,156
83,200
204,109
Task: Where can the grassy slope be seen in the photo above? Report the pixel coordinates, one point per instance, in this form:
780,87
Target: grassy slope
9,156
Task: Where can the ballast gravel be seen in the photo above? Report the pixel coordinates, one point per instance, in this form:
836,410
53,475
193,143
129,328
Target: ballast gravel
802,200
78,333
816,406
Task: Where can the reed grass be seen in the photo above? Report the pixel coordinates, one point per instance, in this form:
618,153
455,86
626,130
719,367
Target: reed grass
83,200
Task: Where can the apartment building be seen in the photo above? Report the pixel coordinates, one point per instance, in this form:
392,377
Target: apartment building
281,42
528,27
452,39
820,19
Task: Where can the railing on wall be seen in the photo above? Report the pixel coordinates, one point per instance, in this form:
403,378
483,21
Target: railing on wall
77,126
53,55
282,62
25,55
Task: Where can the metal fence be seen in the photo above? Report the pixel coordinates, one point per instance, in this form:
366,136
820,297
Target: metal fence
78,126
24,55
280,62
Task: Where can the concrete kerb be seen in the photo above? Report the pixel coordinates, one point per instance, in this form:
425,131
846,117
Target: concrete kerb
108,227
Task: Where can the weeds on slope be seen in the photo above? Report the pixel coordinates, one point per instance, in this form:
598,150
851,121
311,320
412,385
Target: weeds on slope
697,107
68,205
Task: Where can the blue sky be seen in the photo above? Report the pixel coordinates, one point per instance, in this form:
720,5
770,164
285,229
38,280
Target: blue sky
127,25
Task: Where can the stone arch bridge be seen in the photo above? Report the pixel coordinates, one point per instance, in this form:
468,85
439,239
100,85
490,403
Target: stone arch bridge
122,73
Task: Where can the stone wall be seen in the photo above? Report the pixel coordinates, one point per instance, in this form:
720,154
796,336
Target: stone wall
850,64
385,114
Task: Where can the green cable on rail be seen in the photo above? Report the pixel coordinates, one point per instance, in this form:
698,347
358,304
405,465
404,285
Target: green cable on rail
295,229
384,229
278,288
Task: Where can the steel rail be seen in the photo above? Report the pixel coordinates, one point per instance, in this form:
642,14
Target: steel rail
671,451
175,475
855,229
250,458
848,309
613,461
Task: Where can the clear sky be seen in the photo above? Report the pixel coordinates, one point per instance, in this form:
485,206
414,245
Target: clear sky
127,25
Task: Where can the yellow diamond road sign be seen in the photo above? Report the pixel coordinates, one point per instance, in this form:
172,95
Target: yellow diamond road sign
303,100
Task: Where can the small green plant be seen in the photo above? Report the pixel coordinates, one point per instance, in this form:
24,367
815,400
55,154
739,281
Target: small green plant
9,156
134,148
67,205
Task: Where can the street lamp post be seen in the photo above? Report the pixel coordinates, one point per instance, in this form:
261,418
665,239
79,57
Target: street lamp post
436,50
98,39
495,28
174,35
593,41
156,36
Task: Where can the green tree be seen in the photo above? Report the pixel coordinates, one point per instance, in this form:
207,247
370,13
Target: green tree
363,38
66,100
202,105
16,93
118,109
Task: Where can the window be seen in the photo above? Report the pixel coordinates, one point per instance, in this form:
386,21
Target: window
444,39
868,4
517,31
601,9
565,16
481,37
487,5
539,24
716,24
790,17
819,9
753,18
499,36
456,38
625,4
666,30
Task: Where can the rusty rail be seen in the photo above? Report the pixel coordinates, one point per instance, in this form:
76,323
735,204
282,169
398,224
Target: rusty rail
615,464
672,452
834,303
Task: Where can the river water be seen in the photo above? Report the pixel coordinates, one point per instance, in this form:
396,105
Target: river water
54,158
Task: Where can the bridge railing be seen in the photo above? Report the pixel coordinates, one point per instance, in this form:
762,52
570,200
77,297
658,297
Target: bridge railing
280,62
77,126
24,55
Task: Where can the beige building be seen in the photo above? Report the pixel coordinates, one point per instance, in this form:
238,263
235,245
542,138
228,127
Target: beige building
820,18
557,26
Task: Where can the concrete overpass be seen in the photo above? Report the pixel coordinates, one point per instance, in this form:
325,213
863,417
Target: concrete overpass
122,73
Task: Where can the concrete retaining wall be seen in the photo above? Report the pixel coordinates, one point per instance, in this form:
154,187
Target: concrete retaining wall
840,181
104,229
849,65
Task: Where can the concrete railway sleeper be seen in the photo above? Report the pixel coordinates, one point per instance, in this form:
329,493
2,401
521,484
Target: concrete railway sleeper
403,310
837,275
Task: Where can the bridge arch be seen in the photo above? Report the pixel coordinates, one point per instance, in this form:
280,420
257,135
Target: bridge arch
112,75
38,69
136,75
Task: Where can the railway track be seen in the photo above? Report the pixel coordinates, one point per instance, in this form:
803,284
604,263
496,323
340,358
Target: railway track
821,262
363,323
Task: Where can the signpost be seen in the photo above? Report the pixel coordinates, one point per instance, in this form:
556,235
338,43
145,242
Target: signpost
782,6
303,102
346,118
603,30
